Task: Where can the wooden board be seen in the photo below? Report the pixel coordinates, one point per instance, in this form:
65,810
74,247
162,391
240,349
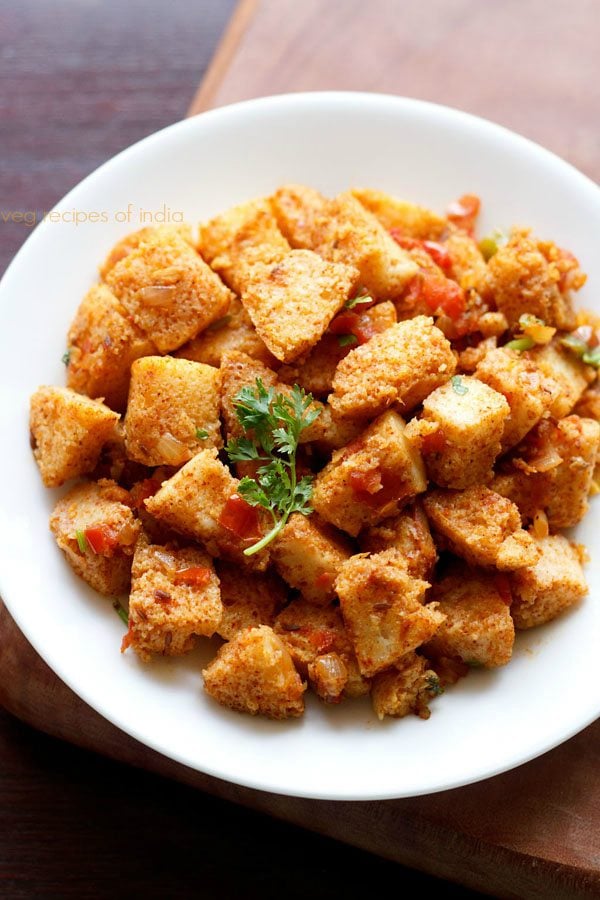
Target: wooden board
532,832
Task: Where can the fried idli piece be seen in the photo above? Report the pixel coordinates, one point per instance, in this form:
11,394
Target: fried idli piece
554,584
309,554
173,410
174,598
168,290
401,365
371,478
95,528
526,276
481,527
68,432
249,598
254,673
405,689
409,533
383,610
102,344
478,627
292,303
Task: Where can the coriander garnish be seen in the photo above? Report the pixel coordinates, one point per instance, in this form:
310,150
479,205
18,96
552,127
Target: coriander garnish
273,424
121,612
457,385
66,357
81,541
362,296
347,340
201,434
520,344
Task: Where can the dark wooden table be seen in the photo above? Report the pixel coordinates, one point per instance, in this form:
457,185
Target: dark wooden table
79,82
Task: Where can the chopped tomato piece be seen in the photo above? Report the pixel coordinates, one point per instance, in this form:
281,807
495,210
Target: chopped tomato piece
101,539
377,487
434,442
464,211
241,519
503,588
365,484
127,639
407,243
361,326
324,580
322,640
439,254
439,294
195,576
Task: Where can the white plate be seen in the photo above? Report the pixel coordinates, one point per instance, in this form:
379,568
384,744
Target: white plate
490,722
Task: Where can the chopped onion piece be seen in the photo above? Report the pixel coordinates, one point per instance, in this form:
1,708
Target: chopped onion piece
172,450
158,295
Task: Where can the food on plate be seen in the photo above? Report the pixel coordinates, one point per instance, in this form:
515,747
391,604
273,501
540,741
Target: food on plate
341,436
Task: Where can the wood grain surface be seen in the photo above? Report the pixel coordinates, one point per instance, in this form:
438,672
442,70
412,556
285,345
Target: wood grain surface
530,833
528,64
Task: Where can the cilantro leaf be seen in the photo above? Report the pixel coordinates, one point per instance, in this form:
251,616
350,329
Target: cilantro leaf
273,423
457,385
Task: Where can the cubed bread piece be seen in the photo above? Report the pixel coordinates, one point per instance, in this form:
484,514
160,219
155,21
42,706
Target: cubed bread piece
174,598
568,373
409,534
168,290
238,371
370,479
201,502
478,626
468,265
241,241
350,234
407,218
555,583
312,633
337,433
316,373
68,432
292,303
406,689
249,598
588,405
523,279
383,609
568,485
101,346
234,331
401,365
470,417
481,527
173,410
298,209
97,531
343,230
528,391
254,673
309,554
553,470
133,240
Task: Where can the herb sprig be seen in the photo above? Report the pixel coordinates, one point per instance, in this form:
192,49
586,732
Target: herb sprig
273,424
